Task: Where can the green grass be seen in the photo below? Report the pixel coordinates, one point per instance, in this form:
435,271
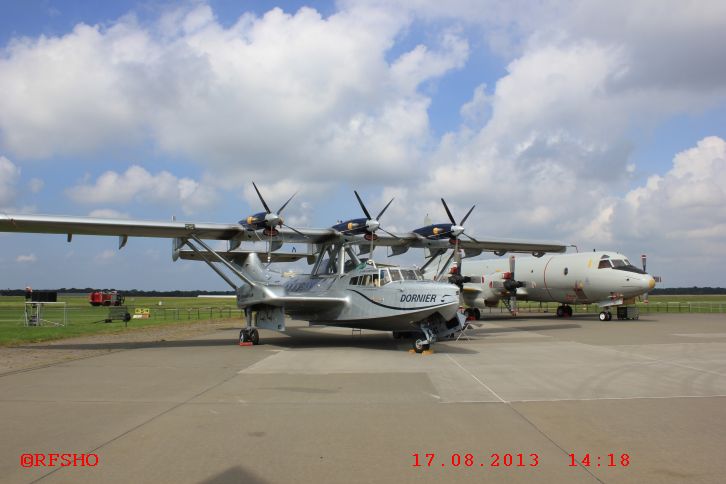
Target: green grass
83,319
656,304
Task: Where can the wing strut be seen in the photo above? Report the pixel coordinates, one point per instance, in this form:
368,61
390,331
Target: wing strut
223,261
209,263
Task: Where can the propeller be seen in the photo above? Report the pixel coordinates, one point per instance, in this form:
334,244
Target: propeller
373,224
270,221
457,230
273,219
511,284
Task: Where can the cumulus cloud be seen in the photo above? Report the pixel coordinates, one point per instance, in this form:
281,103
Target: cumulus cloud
137,184
315,96
685,205
9,175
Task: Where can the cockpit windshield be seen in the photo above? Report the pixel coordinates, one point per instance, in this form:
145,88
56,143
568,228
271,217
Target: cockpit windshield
618,263
392,274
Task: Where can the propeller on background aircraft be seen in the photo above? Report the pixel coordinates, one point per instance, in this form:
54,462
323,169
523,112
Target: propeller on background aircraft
511,284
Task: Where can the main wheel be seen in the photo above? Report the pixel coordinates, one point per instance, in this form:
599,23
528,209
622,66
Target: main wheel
419,346
243,338
560,311
609,315
568,311
255,337
477,314
603,316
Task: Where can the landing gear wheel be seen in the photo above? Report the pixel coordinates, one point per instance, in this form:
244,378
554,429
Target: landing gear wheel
470,314
568,311
561,312
609,315
419,346
254,336
477,314
603,316
243,338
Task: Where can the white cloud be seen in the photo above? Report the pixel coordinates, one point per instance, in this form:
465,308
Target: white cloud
9,175
137,184
314,96
26,259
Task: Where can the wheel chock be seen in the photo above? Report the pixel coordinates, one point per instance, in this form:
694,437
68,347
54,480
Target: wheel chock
427,352
246,343
412,351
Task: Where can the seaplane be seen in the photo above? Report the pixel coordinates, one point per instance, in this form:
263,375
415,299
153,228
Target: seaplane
342,288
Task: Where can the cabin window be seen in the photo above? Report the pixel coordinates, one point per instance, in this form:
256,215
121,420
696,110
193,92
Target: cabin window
385,278
369,280
395,275
354,281
604,264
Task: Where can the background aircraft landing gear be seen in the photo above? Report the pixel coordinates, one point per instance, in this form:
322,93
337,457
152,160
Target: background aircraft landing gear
564,311
248,335
606,316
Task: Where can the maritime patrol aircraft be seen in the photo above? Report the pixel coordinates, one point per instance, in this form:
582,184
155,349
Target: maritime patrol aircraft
341,290
604,278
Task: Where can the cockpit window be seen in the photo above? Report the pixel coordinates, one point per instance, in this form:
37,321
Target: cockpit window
618,263
604,264
385,278
409,275
395,275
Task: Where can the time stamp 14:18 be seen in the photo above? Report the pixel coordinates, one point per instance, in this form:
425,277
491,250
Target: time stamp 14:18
515,460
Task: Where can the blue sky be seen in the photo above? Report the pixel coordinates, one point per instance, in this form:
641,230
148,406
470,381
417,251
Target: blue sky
597,125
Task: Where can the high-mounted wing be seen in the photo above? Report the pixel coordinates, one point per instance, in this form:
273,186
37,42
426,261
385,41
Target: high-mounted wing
402,242
50,224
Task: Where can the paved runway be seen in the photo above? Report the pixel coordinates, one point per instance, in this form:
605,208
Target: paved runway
323,405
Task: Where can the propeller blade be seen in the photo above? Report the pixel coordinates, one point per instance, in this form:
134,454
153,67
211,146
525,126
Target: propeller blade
295,230
513,304
285,204
469,237
448,212
467,215
362,205
511,267
385,208
458,257
389,233
643,259
261,199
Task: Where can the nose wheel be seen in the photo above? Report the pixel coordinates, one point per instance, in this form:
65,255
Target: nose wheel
249,336
606,316
419,346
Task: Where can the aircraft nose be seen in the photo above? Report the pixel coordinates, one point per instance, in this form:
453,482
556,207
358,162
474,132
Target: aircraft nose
651,282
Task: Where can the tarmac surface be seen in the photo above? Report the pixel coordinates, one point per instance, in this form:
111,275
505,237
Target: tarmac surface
326,405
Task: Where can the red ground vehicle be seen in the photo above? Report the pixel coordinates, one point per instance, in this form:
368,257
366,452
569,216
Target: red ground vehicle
106,298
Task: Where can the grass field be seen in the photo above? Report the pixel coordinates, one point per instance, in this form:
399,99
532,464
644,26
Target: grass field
82,318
